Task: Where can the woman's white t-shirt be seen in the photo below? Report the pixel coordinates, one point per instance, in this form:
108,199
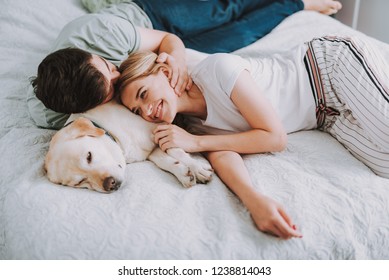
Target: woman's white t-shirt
282,79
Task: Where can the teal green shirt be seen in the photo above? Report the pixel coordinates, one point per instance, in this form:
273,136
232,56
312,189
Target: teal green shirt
111,34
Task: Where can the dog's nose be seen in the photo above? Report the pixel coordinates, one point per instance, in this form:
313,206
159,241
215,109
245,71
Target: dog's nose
111,184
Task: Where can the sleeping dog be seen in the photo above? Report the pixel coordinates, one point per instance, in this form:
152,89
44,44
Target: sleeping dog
92,150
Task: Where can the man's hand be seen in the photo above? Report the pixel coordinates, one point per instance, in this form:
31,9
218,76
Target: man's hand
179,77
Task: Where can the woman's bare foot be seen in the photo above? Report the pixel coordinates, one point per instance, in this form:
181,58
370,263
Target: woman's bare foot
327,7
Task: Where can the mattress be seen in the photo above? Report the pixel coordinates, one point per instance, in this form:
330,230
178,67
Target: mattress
338,203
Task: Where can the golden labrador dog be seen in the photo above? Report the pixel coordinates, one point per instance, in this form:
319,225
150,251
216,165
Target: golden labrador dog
92,151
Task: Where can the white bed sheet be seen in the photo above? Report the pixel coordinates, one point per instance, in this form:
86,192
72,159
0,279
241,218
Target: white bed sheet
338,203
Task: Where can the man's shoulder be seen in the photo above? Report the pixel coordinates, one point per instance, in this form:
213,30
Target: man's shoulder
89,27
128,10
106,35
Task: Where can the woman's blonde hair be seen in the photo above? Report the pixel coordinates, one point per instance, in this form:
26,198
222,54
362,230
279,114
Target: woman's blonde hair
137,65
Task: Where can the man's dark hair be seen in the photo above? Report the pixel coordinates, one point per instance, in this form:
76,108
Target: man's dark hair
67,82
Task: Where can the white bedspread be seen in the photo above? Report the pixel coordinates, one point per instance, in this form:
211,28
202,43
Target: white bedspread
341,207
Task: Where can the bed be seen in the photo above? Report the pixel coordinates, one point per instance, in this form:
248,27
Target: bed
341,207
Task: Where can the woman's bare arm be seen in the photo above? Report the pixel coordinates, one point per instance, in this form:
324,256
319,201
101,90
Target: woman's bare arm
267,133
268,215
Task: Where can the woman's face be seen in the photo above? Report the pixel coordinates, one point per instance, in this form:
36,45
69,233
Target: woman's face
152,98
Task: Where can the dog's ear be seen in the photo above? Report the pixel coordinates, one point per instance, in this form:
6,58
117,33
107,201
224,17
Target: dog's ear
83,127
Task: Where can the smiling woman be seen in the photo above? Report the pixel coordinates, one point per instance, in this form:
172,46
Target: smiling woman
146,91
150,80
257,101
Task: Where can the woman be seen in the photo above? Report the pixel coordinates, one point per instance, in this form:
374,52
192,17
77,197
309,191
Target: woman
244,106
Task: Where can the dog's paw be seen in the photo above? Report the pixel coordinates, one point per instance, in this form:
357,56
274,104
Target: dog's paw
185,175
202,170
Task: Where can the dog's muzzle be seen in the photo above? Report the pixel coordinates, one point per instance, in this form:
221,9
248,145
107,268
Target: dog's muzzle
110,184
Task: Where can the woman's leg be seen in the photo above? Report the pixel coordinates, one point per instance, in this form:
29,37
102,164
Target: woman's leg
356,83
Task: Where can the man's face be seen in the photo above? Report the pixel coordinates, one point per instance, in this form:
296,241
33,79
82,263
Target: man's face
110,72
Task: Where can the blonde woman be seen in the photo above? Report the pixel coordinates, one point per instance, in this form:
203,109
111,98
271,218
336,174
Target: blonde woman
245,106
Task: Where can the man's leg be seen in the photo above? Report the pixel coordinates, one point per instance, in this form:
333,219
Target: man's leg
188,17
225,25
249,28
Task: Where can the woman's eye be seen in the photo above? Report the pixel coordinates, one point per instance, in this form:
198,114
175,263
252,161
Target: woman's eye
142,95
136,111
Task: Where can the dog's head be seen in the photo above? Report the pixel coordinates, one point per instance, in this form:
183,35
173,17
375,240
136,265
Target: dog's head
81,155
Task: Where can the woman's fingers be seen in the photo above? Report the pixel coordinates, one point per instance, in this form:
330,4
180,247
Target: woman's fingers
287,231
280,227
285,216
163,137
286,226
160,132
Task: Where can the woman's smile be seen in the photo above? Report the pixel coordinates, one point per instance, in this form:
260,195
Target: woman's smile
155,112
158,114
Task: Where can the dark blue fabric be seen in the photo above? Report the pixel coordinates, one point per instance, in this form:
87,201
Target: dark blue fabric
215,25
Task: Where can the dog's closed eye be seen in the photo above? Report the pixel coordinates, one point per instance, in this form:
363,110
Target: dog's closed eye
89,157
81,182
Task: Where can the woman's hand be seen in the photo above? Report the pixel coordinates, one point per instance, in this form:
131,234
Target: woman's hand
171,136
270,217
179,77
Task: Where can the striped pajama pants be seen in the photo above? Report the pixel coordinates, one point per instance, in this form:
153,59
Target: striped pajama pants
350,83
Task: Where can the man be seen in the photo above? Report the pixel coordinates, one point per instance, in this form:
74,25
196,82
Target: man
81,71
213,26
